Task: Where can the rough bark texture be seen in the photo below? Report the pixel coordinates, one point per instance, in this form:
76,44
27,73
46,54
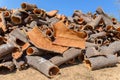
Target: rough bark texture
3,22
89,44
29,30
43,65
101,61
19,34
6,49
94,23
69,42
100,34
33,51
27,6
112,48
7,65
91,52
37,37
105,17
67,55
52,13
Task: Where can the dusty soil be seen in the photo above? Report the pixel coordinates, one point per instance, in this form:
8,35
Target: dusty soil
71,72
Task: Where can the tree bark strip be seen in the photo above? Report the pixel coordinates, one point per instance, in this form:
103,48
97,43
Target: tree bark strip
3,22
69,42
27,6
101,61
33,51
36,37
6,49
67,55
43,65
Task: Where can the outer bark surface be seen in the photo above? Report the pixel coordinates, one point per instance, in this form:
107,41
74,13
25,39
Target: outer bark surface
112,48
91,52
27,6
3,22
43,65
7,65
6,49
40,41
33,51
67,55
101,61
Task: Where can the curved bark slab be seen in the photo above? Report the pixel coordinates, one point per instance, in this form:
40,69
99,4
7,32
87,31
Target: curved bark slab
18,16
101,62
42,42
61,31
6,49
92,24
107,20
52,13
43,65
92,52
40,13
89,44
100,34
3,22
19,34
67,55
69,42
33,51
27,6
112,48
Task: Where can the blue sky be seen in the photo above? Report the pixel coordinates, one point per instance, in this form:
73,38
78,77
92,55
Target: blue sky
67,7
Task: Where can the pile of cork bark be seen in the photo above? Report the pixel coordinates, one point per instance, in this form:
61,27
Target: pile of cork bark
44,40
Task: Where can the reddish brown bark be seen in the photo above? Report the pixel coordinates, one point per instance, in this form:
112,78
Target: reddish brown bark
27,6
40,41
69,42
52,13
3,22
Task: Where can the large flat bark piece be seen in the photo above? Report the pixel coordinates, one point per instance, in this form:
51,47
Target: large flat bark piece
61,30
67,37
69,42
42,42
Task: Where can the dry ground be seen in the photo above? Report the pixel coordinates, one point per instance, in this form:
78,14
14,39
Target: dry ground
74,72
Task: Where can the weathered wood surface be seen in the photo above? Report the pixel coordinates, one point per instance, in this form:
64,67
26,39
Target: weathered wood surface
43,65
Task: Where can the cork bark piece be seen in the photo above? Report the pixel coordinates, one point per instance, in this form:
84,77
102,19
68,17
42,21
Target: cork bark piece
3,22
40,41
43,65
69,42
101,62
62,33
67,55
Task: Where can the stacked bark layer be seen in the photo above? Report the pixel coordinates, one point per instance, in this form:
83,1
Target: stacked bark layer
46,40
